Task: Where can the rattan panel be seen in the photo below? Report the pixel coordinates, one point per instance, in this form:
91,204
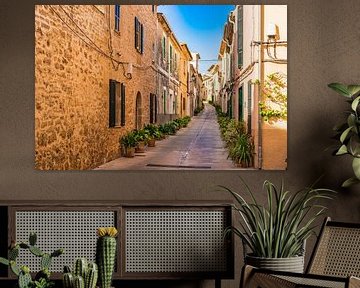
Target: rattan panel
313,282
175,241
338,253
75,231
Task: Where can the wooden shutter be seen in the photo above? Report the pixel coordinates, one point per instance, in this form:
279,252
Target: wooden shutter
136,33
240,36
156,109
123,106
142,39
112,95
151,108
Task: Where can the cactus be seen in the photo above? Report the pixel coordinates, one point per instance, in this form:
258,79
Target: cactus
79,282
32,239
68,280
80,267
36,251
13,253
84,274
105,254
24,278
45,261
91,276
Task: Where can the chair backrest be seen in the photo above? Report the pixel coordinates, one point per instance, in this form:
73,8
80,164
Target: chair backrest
337,251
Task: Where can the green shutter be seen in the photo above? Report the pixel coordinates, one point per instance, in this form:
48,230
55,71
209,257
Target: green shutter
112,93
240,36
241,103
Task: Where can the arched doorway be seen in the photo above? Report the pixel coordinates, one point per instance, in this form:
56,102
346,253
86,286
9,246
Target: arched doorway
138,112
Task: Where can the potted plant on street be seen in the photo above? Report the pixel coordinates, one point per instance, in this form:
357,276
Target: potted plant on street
275,234
141,137
349,132
154,134
242,151
129,143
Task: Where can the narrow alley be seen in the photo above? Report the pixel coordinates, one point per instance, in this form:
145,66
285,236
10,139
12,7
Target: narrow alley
198,146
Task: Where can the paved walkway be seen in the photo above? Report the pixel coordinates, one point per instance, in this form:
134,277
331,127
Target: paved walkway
198,146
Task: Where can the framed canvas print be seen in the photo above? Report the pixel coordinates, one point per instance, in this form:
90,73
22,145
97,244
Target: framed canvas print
160,87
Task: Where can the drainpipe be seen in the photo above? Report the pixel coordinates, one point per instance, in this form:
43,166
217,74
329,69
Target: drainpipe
261,79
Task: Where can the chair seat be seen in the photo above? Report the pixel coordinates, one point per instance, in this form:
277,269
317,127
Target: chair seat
267,279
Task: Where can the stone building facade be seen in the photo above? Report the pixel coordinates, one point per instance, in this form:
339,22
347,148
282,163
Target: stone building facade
254,46
185,58
168,61
94,81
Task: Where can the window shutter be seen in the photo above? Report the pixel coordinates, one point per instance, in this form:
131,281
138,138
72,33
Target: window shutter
240,36
142,38
136,33
112,90
151,108
156,109
123,106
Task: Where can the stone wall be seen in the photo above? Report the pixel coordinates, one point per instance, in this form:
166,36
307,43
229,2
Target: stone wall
72,72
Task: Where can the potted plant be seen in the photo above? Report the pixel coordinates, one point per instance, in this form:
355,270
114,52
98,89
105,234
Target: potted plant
141,138
349,132
42,278
275,234
129,143
154,134
242,151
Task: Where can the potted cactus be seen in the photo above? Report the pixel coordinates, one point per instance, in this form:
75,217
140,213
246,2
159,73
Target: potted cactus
106,254
85,275
42,278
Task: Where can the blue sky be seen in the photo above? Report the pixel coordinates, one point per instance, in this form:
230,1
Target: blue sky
199,26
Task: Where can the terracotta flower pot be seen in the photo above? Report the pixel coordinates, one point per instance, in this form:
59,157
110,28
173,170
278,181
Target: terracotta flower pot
129,152
151,143
140,148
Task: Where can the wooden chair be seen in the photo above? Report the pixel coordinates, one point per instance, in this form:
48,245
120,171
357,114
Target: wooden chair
334,263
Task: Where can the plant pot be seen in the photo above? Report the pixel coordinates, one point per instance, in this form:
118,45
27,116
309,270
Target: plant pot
129,152
291,264
151,143
140,147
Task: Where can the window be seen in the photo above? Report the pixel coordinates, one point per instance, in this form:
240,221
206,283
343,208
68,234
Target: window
163,48
139,36
241,103
117,18
249,106
116,103
240,36
164,98
171,59
153,108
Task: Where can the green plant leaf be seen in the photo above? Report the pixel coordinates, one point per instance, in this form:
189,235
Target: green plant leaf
342,150
355,103
354,146
349,182
356,167
351,120
4,261
345,134
353,89
340,88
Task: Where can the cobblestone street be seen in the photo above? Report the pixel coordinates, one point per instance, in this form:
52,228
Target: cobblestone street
198,146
